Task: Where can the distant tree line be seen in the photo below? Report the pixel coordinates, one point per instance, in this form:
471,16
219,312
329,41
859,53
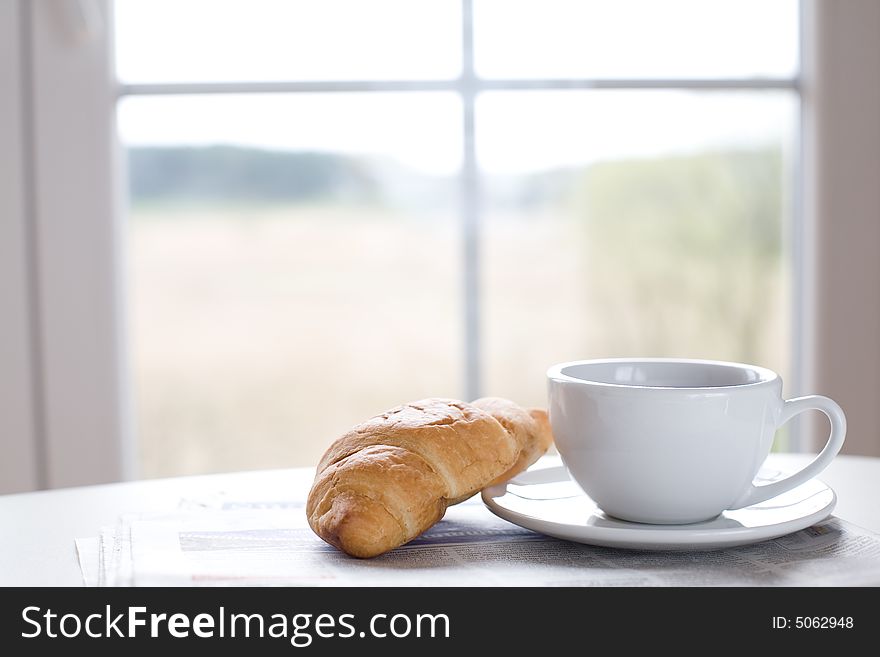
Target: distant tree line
230,173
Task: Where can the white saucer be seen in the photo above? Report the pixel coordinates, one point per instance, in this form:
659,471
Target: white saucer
545,500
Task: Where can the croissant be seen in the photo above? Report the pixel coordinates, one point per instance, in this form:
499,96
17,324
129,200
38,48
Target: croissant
389,479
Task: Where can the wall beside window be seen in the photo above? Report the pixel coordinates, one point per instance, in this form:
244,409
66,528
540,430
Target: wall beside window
19,463
842,208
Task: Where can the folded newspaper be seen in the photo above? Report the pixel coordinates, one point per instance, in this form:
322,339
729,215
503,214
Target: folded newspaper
235,540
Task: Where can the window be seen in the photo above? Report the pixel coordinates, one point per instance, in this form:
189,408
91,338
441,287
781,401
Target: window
530,101
335,207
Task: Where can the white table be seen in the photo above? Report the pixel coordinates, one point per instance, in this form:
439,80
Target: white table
38,529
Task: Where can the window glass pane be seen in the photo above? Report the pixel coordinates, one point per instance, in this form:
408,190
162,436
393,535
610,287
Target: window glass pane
260,40
633,223
636,38
293,270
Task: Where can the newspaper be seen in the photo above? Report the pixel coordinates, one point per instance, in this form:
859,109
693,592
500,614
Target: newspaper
241,542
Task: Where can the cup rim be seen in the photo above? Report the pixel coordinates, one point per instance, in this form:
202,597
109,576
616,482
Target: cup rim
766,376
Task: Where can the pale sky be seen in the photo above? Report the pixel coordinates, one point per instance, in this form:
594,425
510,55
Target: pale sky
237,40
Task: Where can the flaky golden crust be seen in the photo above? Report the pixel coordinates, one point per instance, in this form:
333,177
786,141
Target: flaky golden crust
389,479
463,444
530,428
382,496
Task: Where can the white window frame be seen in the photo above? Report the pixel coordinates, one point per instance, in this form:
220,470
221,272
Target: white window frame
63,385
19,457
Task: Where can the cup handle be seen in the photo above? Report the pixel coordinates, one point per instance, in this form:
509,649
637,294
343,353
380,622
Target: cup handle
792,407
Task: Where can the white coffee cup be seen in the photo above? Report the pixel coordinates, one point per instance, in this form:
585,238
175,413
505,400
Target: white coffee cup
669,441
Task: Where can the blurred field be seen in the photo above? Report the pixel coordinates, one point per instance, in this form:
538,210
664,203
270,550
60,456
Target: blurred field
260,333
